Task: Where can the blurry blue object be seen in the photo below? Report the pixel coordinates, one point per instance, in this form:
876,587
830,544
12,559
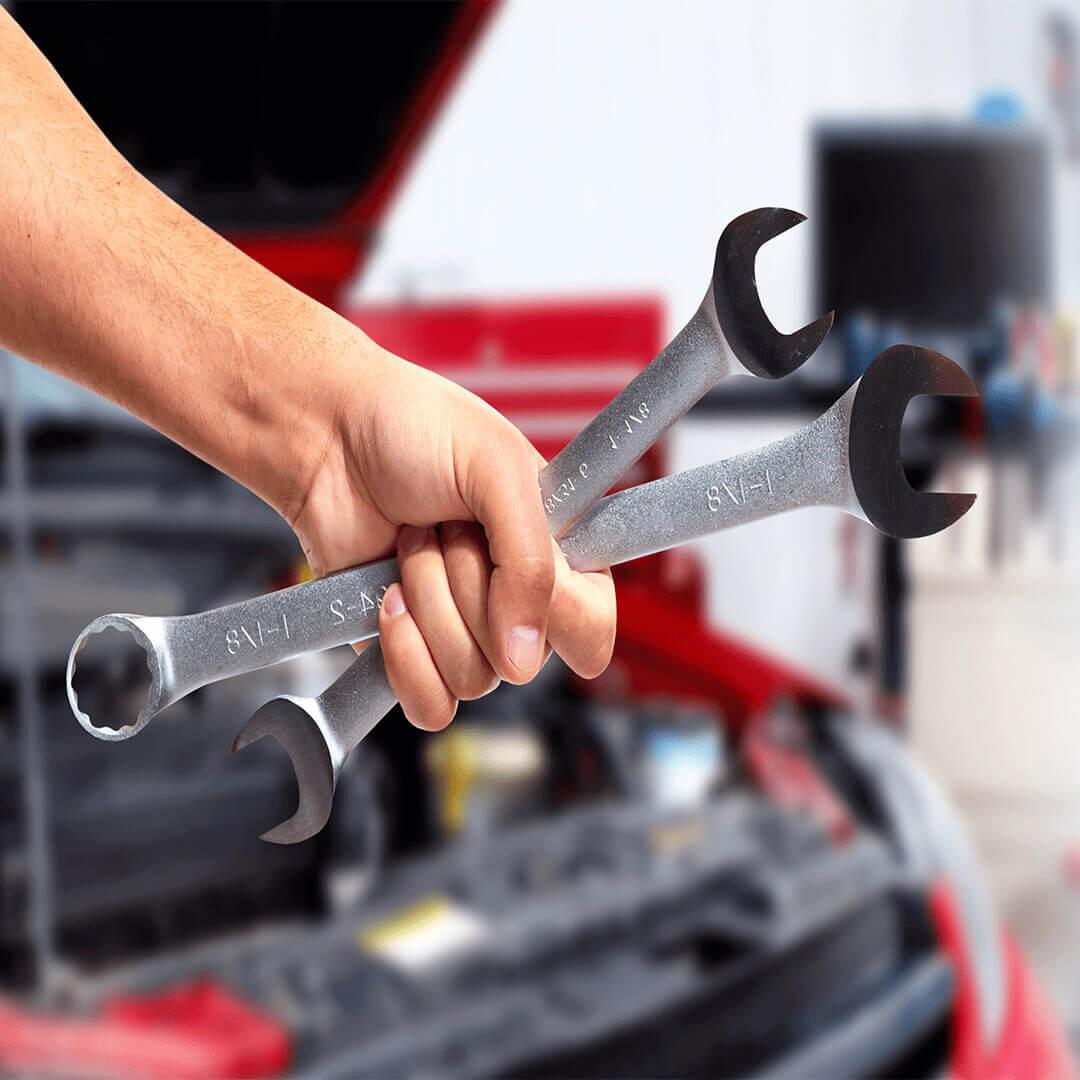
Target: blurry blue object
1003,400
864,338
1020,415
1001,320
860,345
999,107
1048,417
680,766
1044,413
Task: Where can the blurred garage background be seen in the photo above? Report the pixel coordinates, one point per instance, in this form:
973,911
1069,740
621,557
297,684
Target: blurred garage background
721,858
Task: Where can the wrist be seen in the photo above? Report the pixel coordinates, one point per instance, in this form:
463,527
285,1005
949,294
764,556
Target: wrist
297,420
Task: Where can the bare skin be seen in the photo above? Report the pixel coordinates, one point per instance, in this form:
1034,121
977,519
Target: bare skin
106,281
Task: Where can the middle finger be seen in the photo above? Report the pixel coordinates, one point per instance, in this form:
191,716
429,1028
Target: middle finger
461,662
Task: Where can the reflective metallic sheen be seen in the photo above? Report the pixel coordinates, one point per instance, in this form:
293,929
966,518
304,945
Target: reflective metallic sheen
811,467
186,652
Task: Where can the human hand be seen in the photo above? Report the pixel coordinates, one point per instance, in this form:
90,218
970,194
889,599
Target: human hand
107,281
414,461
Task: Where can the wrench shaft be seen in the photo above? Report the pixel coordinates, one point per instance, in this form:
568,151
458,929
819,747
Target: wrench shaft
807,468
278,626
359,702
589,466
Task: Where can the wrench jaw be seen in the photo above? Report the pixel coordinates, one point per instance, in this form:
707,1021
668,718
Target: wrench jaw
758,345
294,723
146,631
882,491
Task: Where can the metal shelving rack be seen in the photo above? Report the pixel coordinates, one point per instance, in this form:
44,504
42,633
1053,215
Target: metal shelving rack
30,651
23,646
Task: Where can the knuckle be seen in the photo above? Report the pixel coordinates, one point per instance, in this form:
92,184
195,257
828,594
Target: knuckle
473,681
593,642
430,710
468,573
463,541
535,575
597,655
424,699
452,533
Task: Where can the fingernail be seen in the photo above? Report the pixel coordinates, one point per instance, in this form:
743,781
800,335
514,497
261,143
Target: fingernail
394,601
525,649
410,539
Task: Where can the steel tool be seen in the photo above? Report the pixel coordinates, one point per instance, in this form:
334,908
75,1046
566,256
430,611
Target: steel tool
728,334
848,458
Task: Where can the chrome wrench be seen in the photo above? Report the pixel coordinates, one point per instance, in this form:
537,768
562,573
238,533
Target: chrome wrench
728,334
848,458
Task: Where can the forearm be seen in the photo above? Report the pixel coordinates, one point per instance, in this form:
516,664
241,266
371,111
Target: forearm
108,282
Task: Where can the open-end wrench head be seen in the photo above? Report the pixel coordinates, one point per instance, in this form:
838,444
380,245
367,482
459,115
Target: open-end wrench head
889,502
759,346
142,628
288,720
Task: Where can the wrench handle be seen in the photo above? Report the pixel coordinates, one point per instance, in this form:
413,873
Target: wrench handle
807,468
594,461
575,479
360,697
250,634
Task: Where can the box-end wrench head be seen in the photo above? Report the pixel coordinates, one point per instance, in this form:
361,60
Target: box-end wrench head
848,458
728,334
148,632
184,652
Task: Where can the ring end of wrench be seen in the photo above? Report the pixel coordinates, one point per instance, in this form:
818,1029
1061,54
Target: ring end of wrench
135,625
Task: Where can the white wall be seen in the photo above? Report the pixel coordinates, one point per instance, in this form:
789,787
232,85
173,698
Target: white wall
601,146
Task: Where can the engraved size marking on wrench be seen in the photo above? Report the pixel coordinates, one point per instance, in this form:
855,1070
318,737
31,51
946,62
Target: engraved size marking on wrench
236,637
342,611
738,494
564,489
629,421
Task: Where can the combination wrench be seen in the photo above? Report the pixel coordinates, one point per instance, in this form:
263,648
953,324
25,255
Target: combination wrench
728,334
849,458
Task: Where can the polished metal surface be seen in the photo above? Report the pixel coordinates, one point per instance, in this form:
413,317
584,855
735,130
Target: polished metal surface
318,734
184,652
811,467
728,334
697,358
807,468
